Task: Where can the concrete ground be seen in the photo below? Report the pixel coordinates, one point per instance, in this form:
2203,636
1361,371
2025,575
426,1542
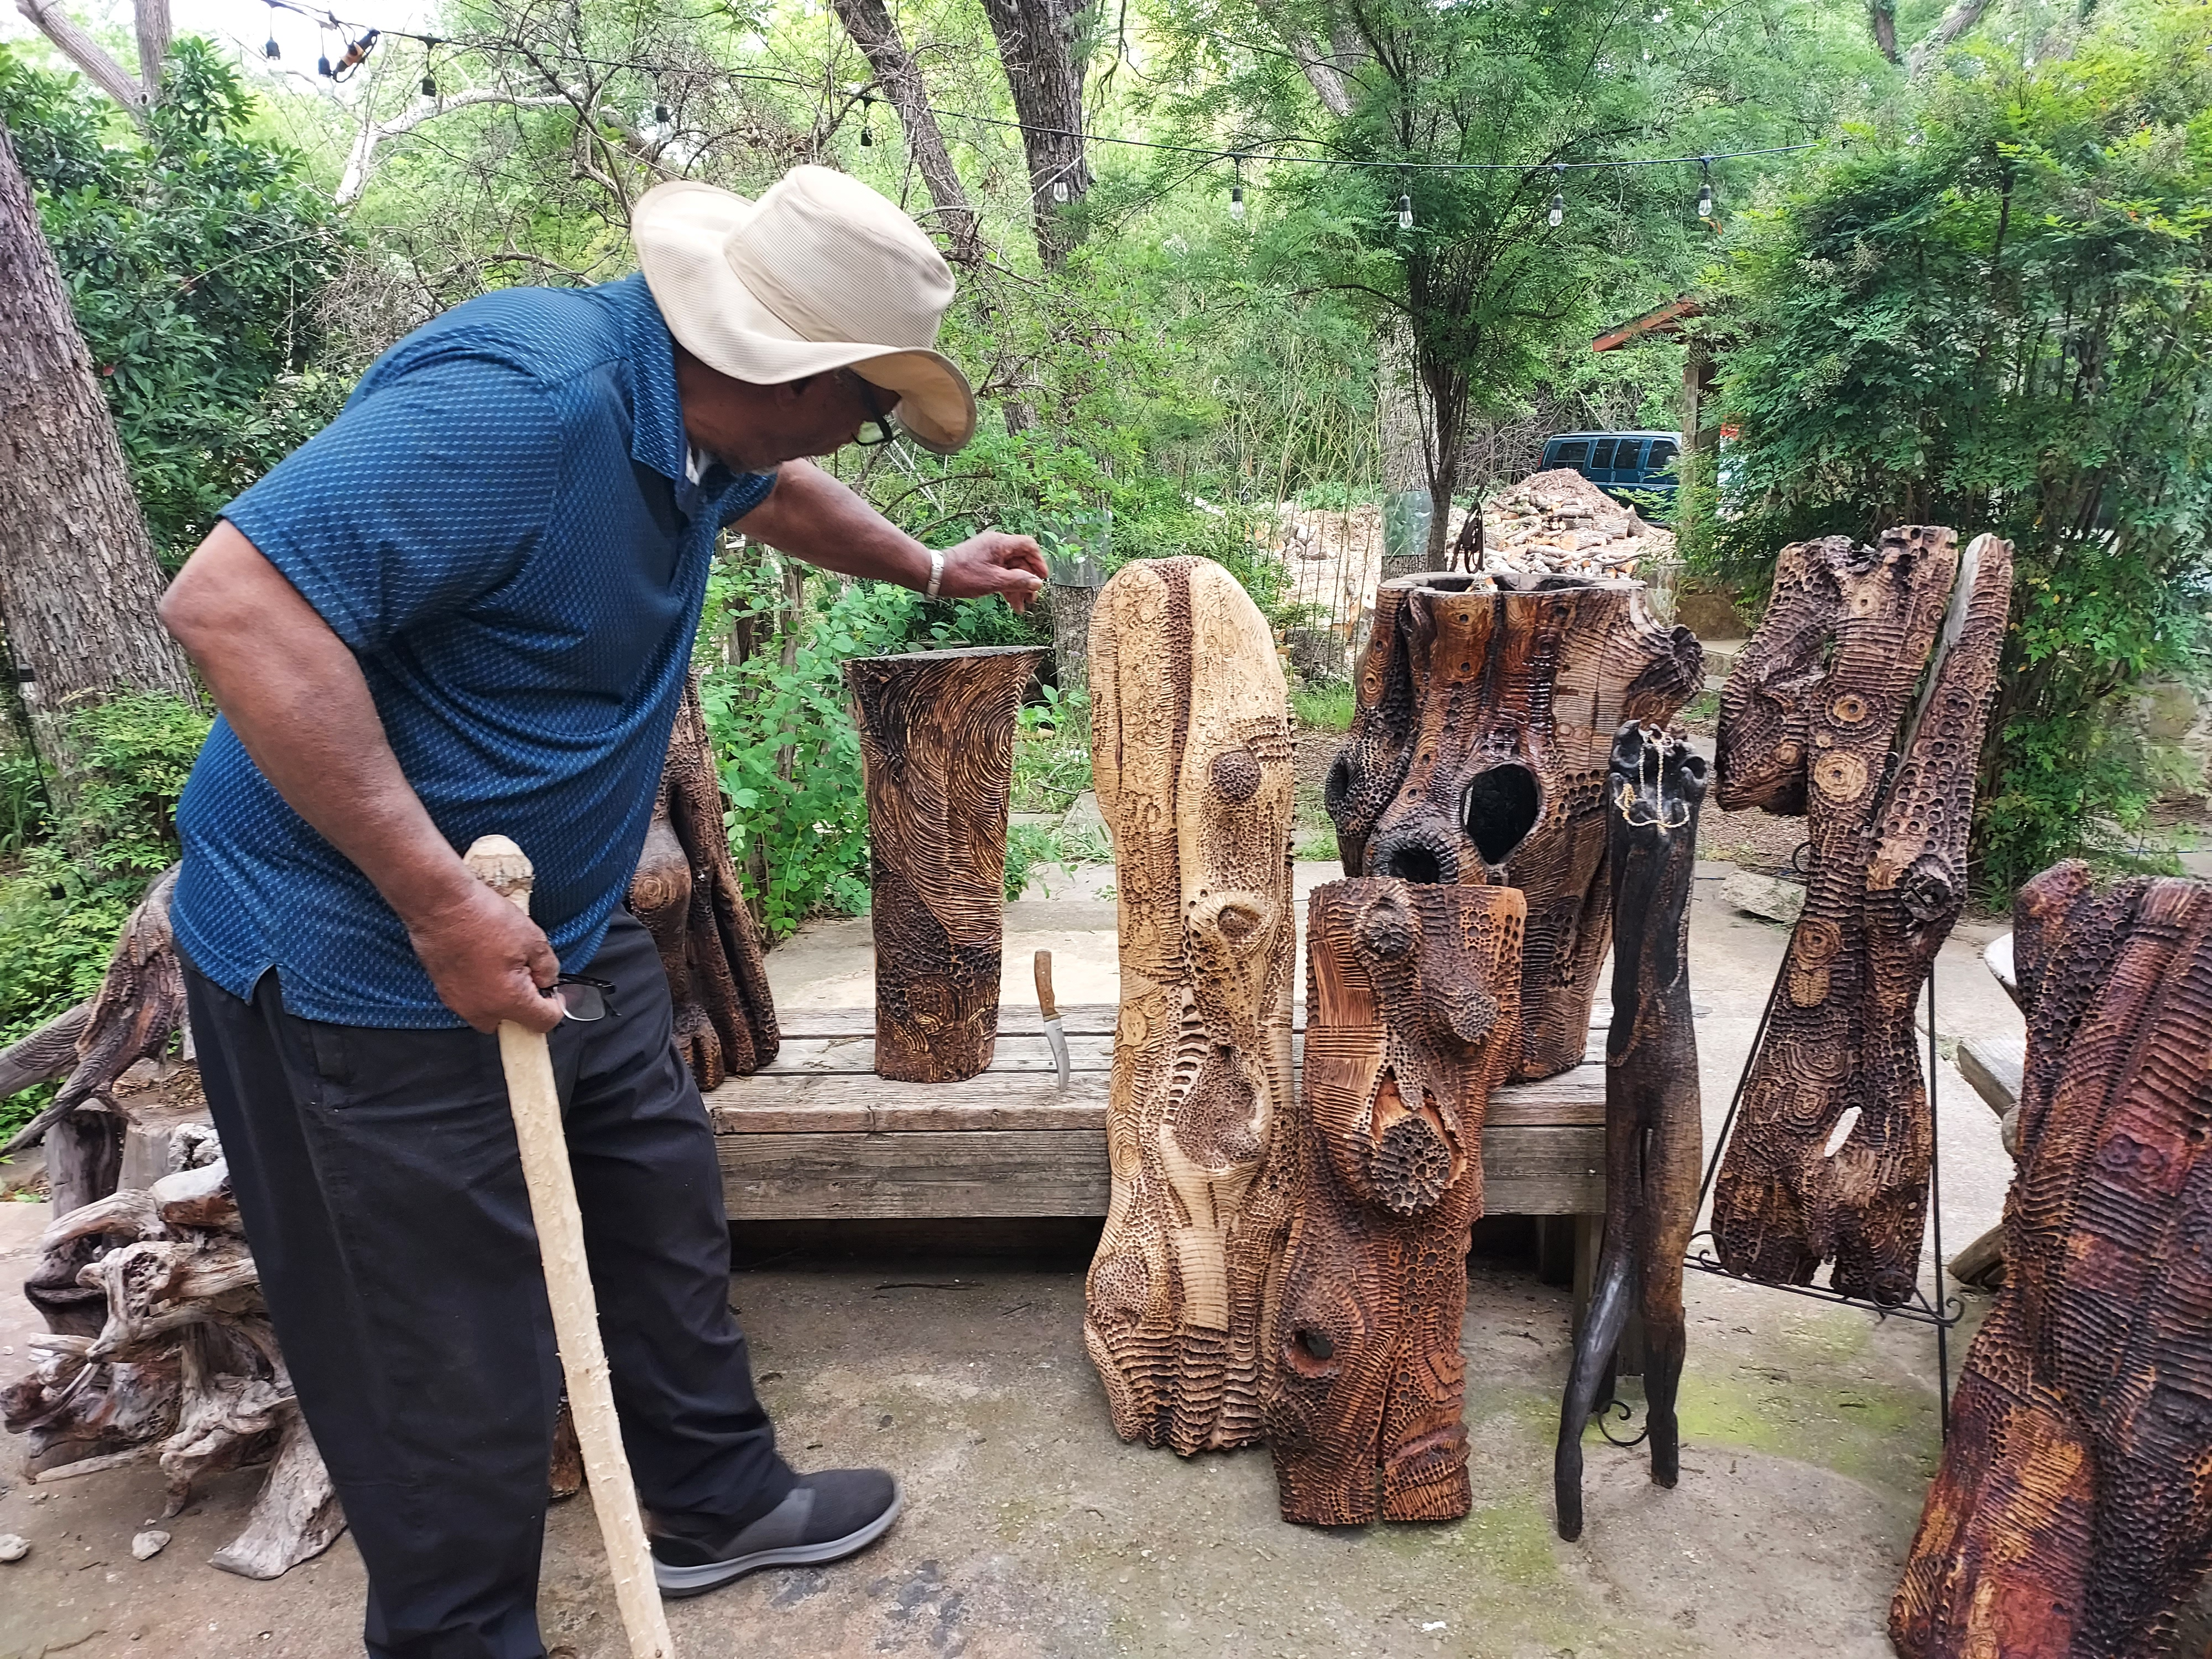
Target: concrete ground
1810,1434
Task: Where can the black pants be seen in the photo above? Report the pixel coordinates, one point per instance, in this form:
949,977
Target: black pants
377,1175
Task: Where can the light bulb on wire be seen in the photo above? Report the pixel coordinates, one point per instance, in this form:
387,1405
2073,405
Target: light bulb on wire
1558,213
268,50
1237,202
1706,188
1060,190
429,85
1404,213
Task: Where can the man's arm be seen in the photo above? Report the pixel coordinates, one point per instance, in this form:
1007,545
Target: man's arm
293,694
810,516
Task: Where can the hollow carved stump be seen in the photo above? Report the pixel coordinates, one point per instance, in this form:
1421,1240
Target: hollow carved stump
1829,1158
1486,709
1653,1132
1413,1015
1191,752
937,737
2071,1516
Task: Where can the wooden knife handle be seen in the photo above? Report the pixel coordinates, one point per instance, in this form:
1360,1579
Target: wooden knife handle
1045,1004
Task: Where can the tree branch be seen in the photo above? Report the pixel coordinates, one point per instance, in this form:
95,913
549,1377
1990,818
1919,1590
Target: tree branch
152,20
82,50
354,180
1962,17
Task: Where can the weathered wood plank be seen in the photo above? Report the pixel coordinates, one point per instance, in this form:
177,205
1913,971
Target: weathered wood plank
1021,1052
1018,1019
1995,1066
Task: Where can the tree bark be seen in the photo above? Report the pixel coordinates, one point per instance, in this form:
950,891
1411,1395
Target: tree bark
78,582
81,48
1881,18
875,33
1037,46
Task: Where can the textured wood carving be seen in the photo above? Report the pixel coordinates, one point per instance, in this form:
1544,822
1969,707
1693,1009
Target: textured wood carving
1653,1132
2071,1517
1829,1158
1191,750
1413,1015
1486,713
936,733
685,891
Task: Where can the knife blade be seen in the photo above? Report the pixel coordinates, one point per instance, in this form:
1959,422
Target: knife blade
1053,1032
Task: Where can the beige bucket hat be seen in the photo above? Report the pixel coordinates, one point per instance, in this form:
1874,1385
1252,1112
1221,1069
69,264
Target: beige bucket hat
820,273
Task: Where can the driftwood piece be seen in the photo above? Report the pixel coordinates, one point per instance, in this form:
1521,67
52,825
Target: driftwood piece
1191,751
1413,1016
685,891
937,736
1653,1132
1486,709
1830,1155
2071,1516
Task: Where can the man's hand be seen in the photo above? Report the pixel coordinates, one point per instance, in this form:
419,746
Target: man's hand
487,960
1009,566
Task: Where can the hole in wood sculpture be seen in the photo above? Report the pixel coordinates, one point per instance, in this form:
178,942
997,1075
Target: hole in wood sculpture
1844,1125
1500,809
1412,863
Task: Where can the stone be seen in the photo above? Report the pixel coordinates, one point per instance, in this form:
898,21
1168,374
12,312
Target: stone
149,1543
1768,897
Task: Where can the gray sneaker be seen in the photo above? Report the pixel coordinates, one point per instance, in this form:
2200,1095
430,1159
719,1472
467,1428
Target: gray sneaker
826,1517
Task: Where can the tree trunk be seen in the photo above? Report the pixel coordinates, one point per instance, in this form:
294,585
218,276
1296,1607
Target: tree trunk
874,32
78,582
1881,18
1037,45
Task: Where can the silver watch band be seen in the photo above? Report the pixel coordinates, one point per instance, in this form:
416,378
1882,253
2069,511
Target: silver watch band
936,574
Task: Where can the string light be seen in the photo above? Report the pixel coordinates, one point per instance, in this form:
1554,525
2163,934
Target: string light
430,86
269,49
868,138
1237,189
1558,213
660,115
1059,190
1404,213
1706,188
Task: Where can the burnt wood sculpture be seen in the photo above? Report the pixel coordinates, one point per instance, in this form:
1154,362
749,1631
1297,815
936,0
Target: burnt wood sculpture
1412,1017
1653,1132
937,738
685,891
1486,709
1191,752
1829,1156
2071,1516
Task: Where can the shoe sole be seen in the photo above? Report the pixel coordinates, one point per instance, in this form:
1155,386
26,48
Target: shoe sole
677,1582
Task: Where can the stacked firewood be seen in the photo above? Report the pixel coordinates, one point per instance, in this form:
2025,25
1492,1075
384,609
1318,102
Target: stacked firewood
1559,523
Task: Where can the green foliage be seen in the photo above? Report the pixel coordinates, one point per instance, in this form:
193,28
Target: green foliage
1323,707
22,801
195,257
1052,751
1997,316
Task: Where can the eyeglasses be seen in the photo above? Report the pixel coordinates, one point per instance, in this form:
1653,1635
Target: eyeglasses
885,431
583,998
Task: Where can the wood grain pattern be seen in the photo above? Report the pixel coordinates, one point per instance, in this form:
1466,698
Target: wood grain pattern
1191,751
2071,1517
1820,704
1654,1136
1413,993
937,734
1486,709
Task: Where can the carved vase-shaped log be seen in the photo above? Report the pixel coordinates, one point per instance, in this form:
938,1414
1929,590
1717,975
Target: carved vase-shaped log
1413,1015
1653,1132
937,737
2071,1516
1829,1158
1191,749
1486,709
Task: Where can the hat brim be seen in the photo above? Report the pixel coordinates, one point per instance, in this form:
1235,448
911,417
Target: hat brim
680,228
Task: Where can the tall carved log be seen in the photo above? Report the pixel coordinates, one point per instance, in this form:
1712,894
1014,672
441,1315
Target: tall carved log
1412,1014
1486,709
1191,751
937,736
1653,1132
2071,1517
1830,1155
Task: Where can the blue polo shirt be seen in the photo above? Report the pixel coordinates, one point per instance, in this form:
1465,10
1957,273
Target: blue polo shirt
502,527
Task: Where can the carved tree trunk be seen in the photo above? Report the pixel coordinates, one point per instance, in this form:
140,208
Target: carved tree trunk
2071,1517
1830,1155
1038,44
1486,713
1653,1132
937,734
1191,750
78,583
1412,1013
876,34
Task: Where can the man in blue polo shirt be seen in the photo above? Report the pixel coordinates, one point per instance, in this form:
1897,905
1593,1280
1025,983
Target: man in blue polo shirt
467,607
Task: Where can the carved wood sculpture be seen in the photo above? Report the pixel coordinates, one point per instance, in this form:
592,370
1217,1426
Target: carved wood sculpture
685,891
1191,752
2071,1516
1829,1156
937,737
1486,709
1653,1132
1412,1017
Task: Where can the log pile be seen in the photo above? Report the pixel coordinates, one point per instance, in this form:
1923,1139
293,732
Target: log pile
1559,523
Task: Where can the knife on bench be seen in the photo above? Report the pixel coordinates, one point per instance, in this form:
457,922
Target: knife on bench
1046,1006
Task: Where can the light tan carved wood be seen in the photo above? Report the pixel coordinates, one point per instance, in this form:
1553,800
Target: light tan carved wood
1486,709
1191,751
936,735
1413,1011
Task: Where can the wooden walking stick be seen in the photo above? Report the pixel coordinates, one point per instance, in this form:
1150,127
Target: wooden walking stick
500,864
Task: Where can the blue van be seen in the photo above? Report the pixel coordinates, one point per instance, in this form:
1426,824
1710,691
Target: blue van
1617,462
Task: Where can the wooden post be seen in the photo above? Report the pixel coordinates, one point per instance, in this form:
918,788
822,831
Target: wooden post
536,1104
937,736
